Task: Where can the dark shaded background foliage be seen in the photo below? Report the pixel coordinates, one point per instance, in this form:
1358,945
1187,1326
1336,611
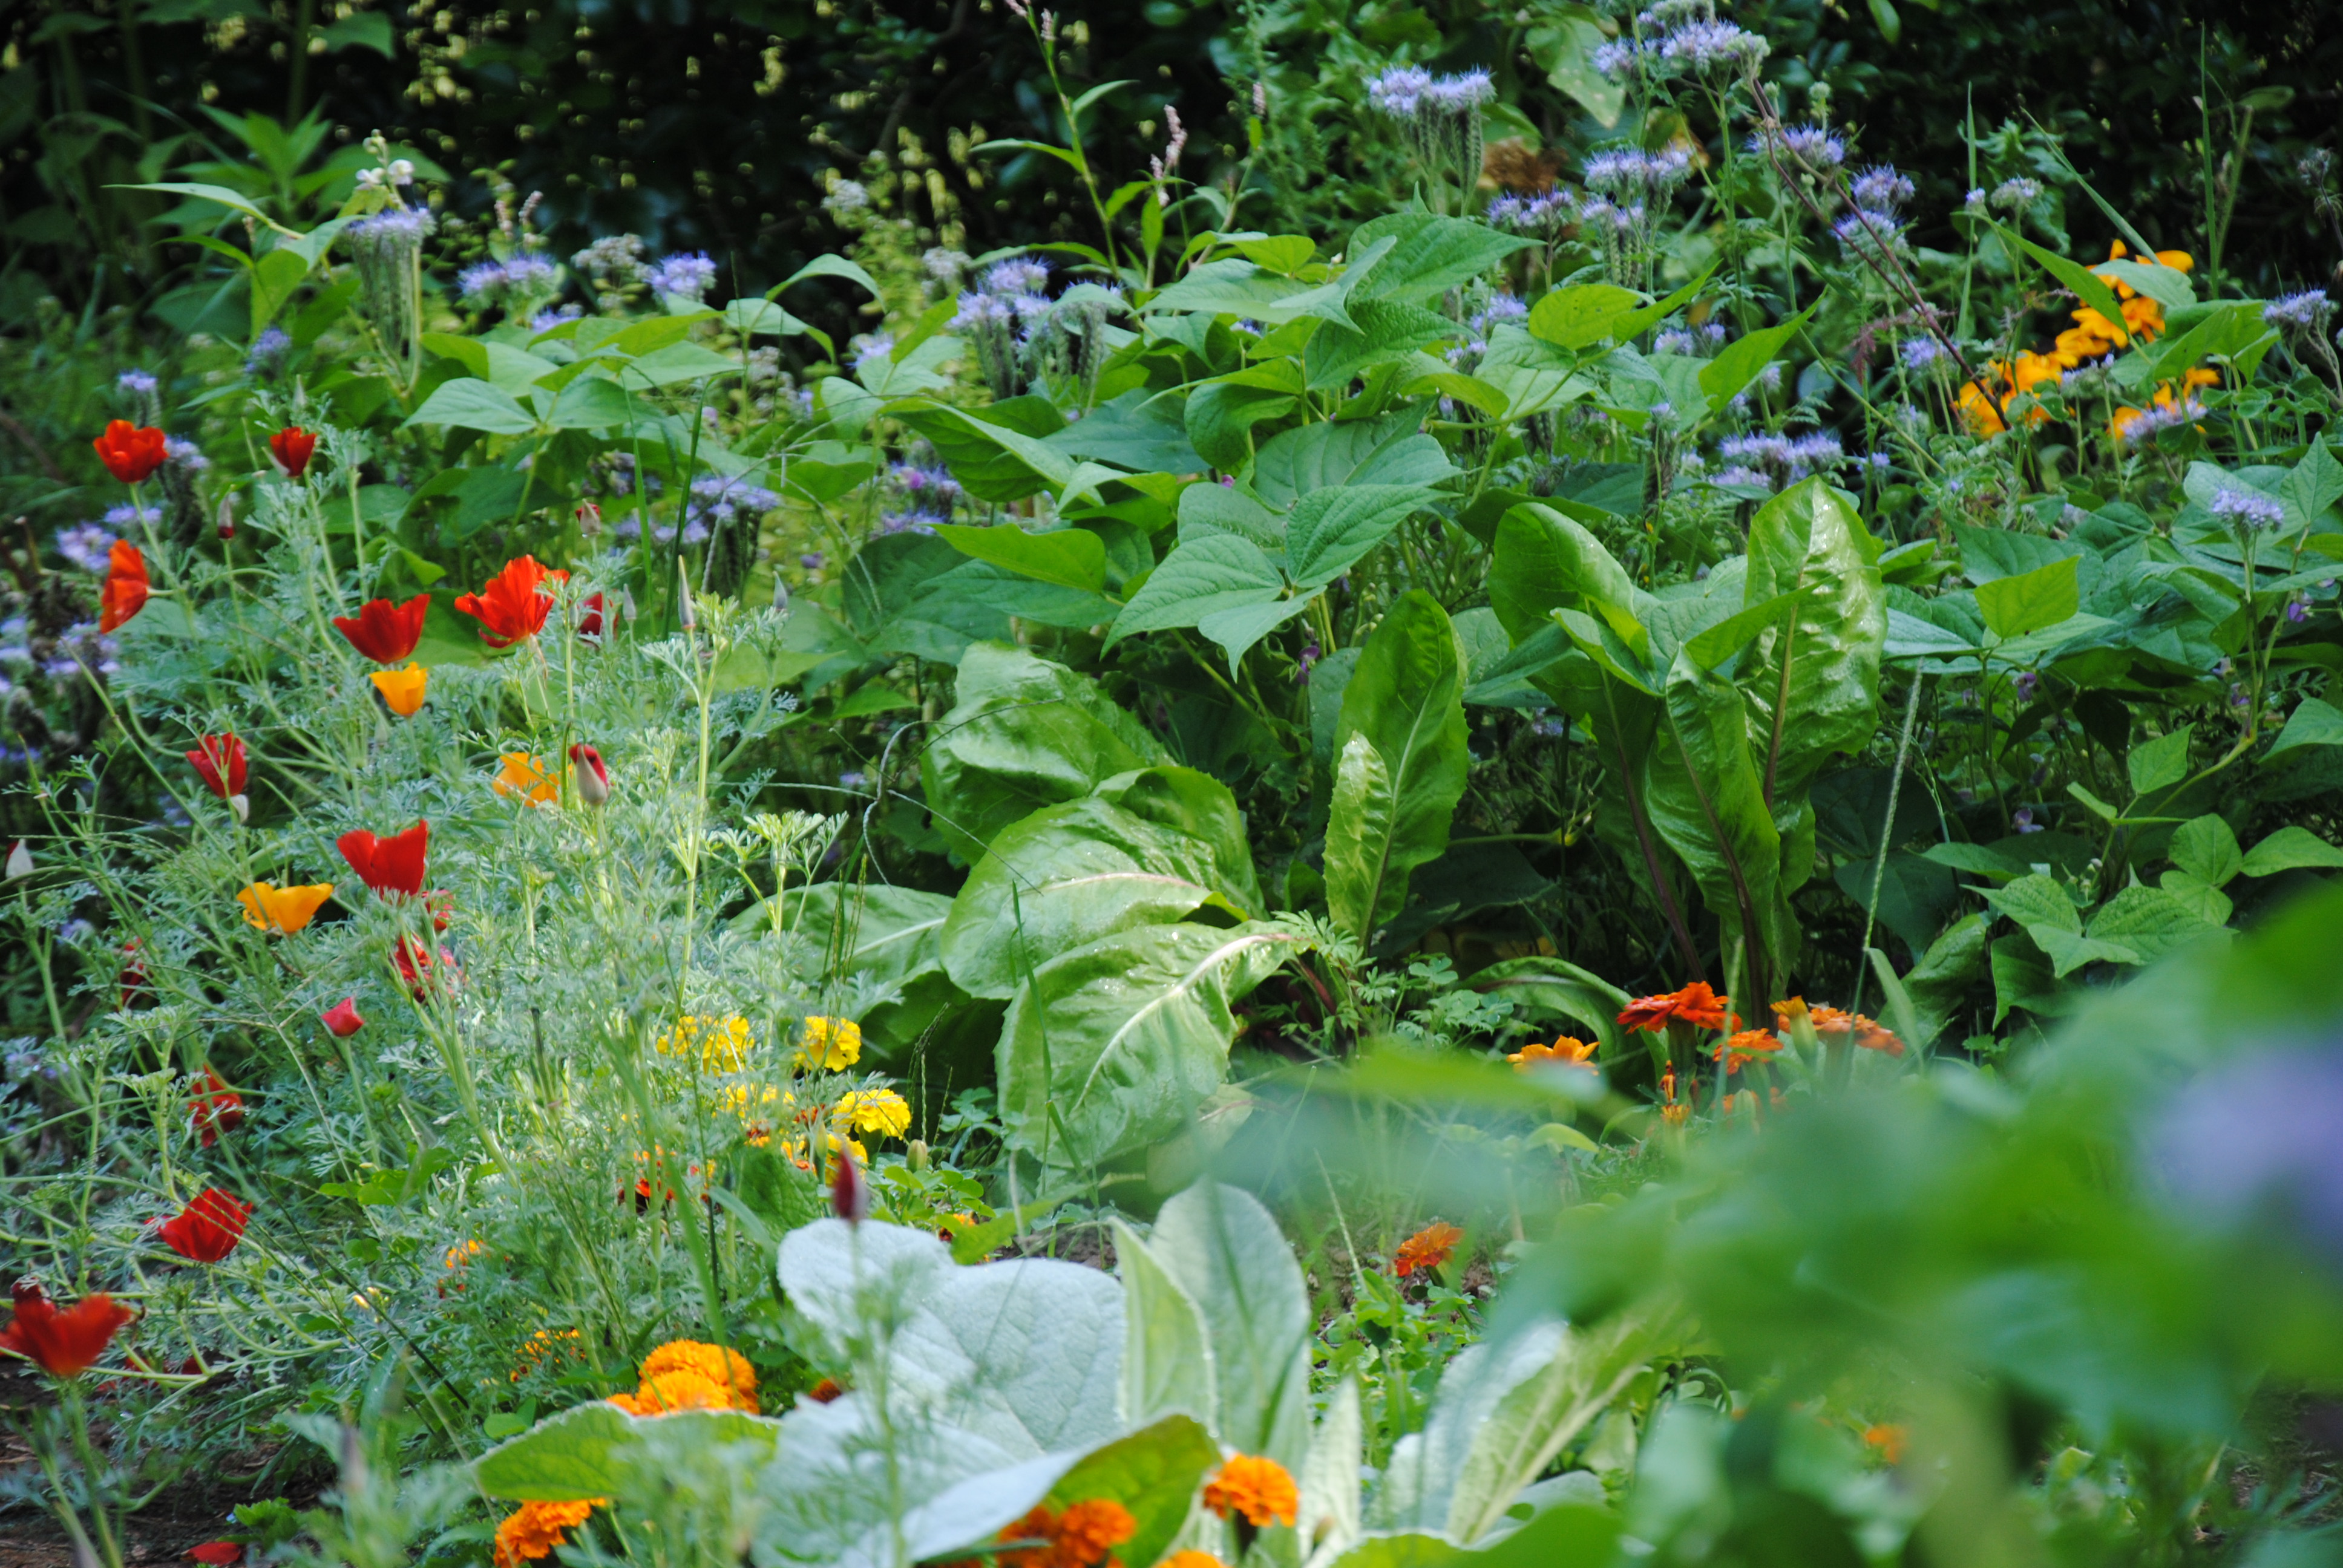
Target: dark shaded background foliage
706,125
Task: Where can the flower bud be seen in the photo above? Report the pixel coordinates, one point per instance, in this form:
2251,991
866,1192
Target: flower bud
242,806
342,1019
20,862
593,779
915,1154
589,519
850,1194
227,519
683,587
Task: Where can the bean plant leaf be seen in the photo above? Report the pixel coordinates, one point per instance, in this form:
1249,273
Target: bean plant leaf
1201,578
1069,558
2030,601
1432,255
1406,699
2160,763
1110,1047
1741,361
2312,723
1025,733
2207,849
2289,849
1330,530
1583,315
467,403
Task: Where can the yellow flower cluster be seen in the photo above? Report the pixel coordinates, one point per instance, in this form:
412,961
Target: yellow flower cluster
723,1044
830,1044
880,1110
685,1374
1986,409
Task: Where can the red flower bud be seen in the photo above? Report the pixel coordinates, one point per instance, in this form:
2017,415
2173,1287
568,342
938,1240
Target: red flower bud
342,1019
593,779
850,1194
291,448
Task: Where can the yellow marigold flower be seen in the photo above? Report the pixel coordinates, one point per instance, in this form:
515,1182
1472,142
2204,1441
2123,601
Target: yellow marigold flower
1257,1488
673,1391
1080,1537
282,910
830,1044
1192,1558
1569,1050
541,1344
724,1042
880,1110
726,1368
537,1528
524,779
402,689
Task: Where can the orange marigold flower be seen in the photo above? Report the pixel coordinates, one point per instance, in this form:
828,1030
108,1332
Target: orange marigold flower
1256,1488
726,1369
1568,1050
1427,1249
1697,1004
1083,1536
1872,1037
1749,1045
534,1529
1889,1440
681,1389
1193,1558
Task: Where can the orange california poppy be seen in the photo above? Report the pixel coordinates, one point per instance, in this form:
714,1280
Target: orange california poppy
401,689
130,452
127,586
513,604
282,910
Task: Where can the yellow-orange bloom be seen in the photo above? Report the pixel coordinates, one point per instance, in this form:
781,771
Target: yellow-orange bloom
1256,1488
1080,1537
1978,410
1427,1249
1889,1440
402,689
725,1368
1697,1005
681,1389
524,779
724,1042
880,1110
830,1044
537,1528
282,910
1568,1050
1192,1558
1676,1115
1749,1045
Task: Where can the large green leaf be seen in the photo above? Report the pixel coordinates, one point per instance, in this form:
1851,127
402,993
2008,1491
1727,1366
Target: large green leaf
1153,1474
1111,1047
1707,797
587,1451
2289,849
1200,806
1330,530
1025,733
1202,576
1432,255
1000,458
1069,558
1581,316
1229,287
469,404
1168,1365
1225,1251
1740,361
1326,453
1406,699
1545,561
1220,414
1359,839
1067,875
1387,330
2030,601
877,936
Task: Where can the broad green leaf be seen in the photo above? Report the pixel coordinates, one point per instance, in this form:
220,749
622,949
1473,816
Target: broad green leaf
2206,848
1168,1366
1384,330
1209,509
1326,453
1544,562
1330,530
2200,898
749,317
2149,922
677,362
2035,900
2289,849
1635,322
2160,763
1230,287
1202,576
1583,315
1359,837
1705,793
1110,1047
473,405
1153,1474
1740,362
850,408
1199,806
1069,558
1533,378
1285,253
2167,286
2312,723
1555,986
1405,697
1226,1251
828,267
1025,733
1000,457
2013,606
1332,1512
1566,48
1067,875
1221,416
2088,286
591,403
588,1451
275,277
1525,1402
2314,484
226,198
1238,628
1432,255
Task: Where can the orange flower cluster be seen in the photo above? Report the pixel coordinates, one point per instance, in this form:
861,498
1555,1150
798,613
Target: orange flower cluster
1255,1489
1083,1536
543,1343
537,1528
1830,1020
1569,1051
1697,1004
1427,1249
685,1374
1985,409
1749,1045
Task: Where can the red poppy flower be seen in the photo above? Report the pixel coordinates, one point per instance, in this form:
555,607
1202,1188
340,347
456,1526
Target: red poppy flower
512,606
217,1553
130,452
593,778
216,1107
342,1019
64,1343
1697,1004
220,762
127,586
383,631
290,449
441,905
392,867
416,964
590,623
208,1227
134,979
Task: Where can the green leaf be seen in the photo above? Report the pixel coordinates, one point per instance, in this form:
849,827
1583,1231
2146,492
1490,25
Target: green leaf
2167,286
591,403
1153,1474
1384,331
1583,315
1202,576
2314,484
1200,807
1359,837
2037,903
1094,95
1111,1047
1285,253
1741,361
999,458
1432,255
468,404
275,277
883,936
1704,792
1544,562
2149,922
2091,290
1326,453
2013,606
1067,875
1637,322
1221,416
2289,849
1225,1251
585,1451
1230,287
1565,50
1330,530
828,267
2207,849
226,198
751,316
2160,763
1551,986
2312,723
1024,734
1405,697
1069,557
1168,1366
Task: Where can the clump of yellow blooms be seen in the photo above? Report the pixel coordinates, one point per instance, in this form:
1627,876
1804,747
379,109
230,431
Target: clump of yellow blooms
685,1374
723,1044
830,1044
880,1110
537,1528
